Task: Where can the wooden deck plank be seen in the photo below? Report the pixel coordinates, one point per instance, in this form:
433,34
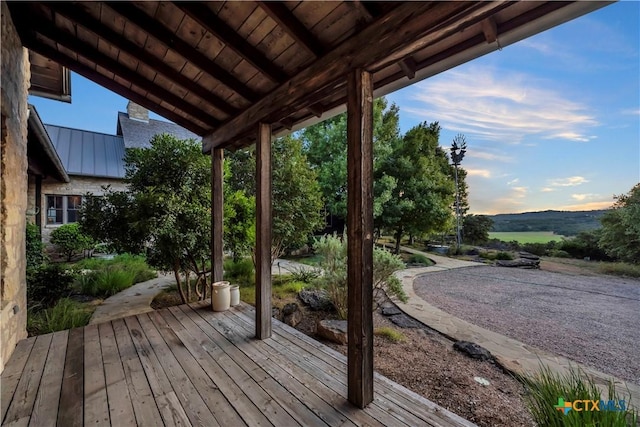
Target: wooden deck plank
268,401
145,408
195,408
171,410
290,397
387,392
215,400
12,373
71,412
45,411
198,344
324,377
120,407
27,389
96,406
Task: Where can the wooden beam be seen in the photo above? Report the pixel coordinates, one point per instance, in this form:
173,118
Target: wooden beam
263,232
408,27
408,66
217,209
490,29
287,123
75,14
360,237
110,84
146,23
204,16
292,26
316,109
94,55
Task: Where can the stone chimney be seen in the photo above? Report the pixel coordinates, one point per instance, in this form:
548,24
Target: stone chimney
137,112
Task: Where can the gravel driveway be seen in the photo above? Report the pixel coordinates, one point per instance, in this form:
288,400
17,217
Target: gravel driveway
594,320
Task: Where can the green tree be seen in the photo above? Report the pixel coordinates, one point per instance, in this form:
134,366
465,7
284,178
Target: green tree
421,200
620,235
476,229
70,241
239,223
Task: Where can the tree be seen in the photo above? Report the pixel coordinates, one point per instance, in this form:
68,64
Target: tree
620,235
421,199
476,229
70,241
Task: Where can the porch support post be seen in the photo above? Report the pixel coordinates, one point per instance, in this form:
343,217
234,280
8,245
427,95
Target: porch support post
263,232
217,201
360,237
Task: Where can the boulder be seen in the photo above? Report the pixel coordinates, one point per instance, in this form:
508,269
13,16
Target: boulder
519,263
391,310
291,314
473,350
332,330
527,255
316,299
275,313
405,321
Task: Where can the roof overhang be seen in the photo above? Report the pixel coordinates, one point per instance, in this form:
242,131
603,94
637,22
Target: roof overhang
42,155
220,68
49,79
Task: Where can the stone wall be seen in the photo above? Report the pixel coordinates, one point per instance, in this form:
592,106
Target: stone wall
14,84
78,186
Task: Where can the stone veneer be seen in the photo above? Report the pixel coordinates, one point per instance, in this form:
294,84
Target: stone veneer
14,84
78,186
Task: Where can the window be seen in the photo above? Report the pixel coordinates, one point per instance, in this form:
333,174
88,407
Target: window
63,209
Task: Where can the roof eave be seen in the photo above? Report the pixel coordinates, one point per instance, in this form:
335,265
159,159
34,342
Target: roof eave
43,138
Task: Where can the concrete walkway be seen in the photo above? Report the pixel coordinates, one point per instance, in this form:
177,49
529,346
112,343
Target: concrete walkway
134,300
515,356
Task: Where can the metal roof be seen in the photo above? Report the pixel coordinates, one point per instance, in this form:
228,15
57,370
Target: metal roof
138,133
87,153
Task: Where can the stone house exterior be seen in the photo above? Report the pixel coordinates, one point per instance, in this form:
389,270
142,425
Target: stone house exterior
93,161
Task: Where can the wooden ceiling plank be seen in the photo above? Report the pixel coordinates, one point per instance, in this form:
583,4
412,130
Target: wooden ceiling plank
403,29
110,84
147,24
409,67
48,30
141,54
216,26
290,24
490,29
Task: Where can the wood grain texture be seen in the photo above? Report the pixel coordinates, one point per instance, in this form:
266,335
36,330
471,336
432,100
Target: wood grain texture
71,411
360,236
217,213
263,231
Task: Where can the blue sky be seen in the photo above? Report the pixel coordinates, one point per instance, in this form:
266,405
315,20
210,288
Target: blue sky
552,122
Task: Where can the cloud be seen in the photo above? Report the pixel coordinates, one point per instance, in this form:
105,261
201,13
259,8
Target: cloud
485,104
547,189
631,112
585,196
484,173
590,206
484,155
567,182
519,192
513,181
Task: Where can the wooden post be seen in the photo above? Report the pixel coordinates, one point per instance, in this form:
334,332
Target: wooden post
360,237
217,200
263,232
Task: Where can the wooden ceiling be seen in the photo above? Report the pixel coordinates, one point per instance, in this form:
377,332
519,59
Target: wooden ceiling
218,68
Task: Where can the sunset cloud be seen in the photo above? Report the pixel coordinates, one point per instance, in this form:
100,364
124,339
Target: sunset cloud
484,173
568,182
582,197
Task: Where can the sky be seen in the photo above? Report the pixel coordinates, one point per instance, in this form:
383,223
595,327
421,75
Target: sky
551,122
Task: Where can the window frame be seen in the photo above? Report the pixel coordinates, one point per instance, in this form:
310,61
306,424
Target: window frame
65,207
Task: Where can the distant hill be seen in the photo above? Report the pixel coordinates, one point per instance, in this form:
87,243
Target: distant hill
567,223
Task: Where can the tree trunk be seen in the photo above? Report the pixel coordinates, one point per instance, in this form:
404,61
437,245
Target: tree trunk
398,238
176,273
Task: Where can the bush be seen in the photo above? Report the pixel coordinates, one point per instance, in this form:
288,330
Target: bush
66,314
240,272
70,241
419,259
47,284
35,248
108,282
547,388
390,333
619,269
539,249
559,253
504,256
306,275
125,262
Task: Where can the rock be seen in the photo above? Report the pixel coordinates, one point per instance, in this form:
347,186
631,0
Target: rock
275,313
391,310
290,308
482,381
293,319
519,263
473,350
315,299
332,330
527,255
473,251
405,321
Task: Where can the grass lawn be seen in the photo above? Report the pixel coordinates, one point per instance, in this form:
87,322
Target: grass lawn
526,236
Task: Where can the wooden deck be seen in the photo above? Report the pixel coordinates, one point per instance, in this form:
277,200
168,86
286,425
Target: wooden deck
189,366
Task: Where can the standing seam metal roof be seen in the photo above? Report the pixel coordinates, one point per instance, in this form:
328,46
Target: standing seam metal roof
87,153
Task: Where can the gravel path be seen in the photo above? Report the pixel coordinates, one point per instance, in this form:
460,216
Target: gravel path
594,320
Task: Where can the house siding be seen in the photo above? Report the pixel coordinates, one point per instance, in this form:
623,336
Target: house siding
13,191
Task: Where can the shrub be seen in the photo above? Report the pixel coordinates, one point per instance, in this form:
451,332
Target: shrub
559,253
546,389
35,248
539,249
306,275
240,272
66,314
619,269
504,256
47,284
384,281
70,241
390,333
107,282
419,259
